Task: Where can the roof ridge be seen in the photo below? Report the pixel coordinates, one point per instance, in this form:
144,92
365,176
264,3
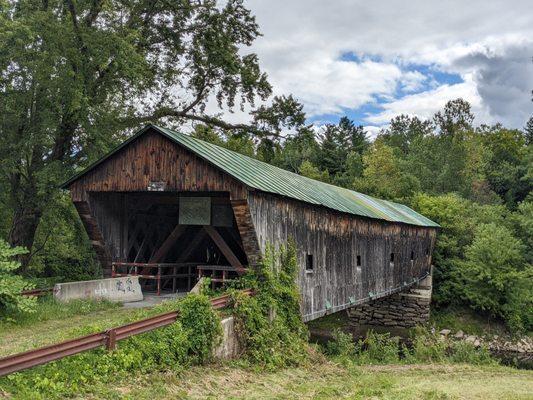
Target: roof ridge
260,175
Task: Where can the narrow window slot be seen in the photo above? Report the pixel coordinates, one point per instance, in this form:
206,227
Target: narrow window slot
309,264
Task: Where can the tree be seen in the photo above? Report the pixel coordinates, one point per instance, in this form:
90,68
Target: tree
528,130
77,76
456,117
405,131
298,148
308,170
496,277
337,142
505,170
382,175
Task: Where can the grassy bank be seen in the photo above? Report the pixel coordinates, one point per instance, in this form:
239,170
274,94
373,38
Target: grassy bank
327,380
53,322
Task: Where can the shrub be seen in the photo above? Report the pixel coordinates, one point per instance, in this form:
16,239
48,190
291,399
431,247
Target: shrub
496,277
480,257
202,326
464,352
269,324
426,347
11,284
377,349
342,344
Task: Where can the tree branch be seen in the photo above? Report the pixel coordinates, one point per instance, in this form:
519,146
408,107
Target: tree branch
206,119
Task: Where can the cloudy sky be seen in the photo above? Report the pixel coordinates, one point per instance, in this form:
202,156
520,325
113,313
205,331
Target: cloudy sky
372,60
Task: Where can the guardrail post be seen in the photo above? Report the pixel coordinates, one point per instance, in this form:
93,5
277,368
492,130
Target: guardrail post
111,340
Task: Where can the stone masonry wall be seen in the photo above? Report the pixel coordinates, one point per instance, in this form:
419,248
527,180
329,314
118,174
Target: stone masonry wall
404,310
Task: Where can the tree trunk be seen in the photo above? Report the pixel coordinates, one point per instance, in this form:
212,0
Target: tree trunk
26,217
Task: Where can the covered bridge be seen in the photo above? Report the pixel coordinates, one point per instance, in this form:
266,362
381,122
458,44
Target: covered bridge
170,207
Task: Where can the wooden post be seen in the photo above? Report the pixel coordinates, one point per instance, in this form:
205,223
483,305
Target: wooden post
174,280
111,340
158,280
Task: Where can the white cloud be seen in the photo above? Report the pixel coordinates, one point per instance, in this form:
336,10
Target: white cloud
304,40
328,85
424,104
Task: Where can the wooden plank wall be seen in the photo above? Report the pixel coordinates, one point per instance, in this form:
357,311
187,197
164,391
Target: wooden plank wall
335,239
154,158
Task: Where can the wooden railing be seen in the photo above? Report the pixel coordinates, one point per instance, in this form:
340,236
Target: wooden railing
143,270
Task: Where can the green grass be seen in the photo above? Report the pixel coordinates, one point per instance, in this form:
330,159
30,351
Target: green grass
321,378
53,322
327,380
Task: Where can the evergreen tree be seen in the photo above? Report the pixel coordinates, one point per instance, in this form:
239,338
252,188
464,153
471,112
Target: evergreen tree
528,130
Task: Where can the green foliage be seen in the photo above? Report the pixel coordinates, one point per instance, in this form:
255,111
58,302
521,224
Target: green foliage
467,353
62,250
190,340
377,349
496,278
382,174
424,347
429,347
480,258
342,344
202,326
11,284
309,170
269,324
463,318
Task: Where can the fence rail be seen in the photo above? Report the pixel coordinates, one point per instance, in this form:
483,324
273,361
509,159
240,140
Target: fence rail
36,292
108,339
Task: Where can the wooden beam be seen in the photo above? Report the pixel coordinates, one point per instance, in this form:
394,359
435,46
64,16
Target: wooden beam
246,228
224,248
193,244
168,243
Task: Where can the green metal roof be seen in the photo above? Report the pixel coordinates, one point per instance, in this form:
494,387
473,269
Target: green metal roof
268,178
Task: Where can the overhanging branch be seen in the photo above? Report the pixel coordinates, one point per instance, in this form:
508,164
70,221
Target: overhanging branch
206,119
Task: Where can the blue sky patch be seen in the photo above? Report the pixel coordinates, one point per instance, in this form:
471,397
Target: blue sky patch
426,77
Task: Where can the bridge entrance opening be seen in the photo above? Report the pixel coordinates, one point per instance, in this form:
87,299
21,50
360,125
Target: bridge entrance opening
170,239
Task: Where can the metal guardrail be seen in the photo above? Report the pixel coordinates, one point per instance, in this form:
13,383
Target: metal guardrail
36,292
108,339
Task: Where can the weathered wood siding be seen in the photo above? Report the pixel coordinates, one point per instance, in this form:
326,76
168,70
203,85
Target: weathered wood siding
335,240
154,158
101,195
